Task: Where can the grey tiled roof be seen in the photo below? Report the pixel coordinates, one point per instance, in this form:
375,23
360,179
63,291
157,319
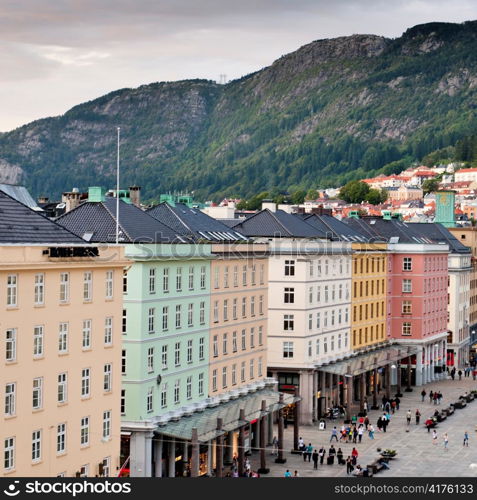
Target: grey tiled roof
332,227
194,223
21,194
21,224
277,224
96,221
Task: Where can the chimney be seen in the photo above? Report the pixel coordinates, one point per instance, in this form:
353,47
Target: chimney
71,199
270,205
135,195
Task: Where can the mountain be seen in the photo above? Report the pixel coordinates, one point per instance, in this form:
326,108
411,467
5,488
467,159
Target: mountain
332,111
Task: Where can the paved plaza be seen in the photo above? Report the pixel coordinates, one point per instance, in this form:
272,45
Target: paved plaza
416,454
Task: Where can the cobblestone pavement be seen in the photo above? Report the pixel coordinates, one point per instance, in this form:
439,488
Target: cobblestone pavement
416,454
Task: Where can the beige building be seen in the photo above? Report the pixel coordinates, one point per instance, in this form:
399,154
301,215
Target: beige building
60,318
238,316
405,193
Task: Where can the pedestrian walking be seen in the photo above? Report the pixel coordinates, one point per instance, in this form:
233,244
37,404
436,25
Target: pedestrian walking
460,374
418,416
360,433
321,454
354,456
408,417
275,445
435,396
287,473
371,431
315,459
355,434
398,402
339,456
431,395
423,394
331,455
434,437
309,451
429,423
452,373
301,443
446,441
349,465
393,405
466,439
365,407
334,434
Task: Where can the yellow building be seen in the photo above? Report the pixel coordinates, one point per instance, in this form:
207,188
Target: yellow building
368,296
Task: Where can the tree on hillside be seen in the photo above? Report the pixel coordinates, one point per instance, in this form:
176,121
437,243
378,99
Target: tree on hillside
430,185
376,196
298,197
312,194
354,192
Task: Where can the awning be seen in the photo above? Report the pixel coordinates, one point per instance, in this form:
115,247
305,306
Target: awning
206,421
365,362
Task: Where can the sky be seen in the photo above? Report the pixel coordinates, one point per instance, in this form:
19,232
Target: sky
55,54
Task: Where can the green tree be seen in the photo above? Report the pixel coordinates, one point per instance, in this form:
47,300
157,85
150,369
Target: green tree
354,192
312,194
298,197
430,185
376,196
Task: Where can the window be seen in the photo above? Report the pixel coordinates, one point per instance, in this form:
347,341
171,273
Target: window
125,282
149,405
123,401
310,294
224,343
123,361
177,354
178,316
9,453
202,313
152,280
262,274
165,317
406,328
85,382
260,369
216,311
242,371
150,319
310,348
164,357
109,284
108,331
86,334
235,275
224,377
36,446
11,344
244,307
215,345
253,274
179,279
289,268
288,322
318,320
84,470
234,374
12,281
226,310
190,315
61,438
107,379
234,309
317,347
244,341
244,275
326,293
63,338
87,286
260,305
406,307
252,368
289,296
62,396
311,268
407,264
214,380
38,341
189,351
407,286
107,424
201,384
164,396
202,277
165,280
288,349
37,393
234,341
39,289
260,335
10,397
201,349
216,277
189,388
84,431
191,277
177,390
226,276
252,306
124,326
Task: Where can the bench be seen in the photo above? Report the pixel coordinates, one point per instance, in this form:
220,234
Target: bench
458,405
375,467
449,410
468,398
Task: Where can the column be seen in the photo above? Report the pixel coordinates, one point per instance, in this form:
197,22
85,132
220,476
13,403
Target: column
375,385
228,460
158,456
306,392
388,381
296,420
280,459
270,428
362,390
241,443
141,453
185,455
219,450
443,359
172,457
263,433
329,391
194,458
210,462
349,393
419,377
314,413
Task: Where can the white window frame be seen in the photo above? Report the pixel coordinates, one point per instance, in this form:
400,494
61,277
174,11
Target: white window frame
63,338
62,388
36,445
85,383
108,377
38,341
10,345
87,286
12,290
39,295
37,393
84,432
109,285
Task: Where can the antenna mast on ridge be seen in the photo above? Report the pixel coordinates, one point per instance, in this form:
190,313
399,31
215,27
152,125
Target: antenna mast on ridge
117,190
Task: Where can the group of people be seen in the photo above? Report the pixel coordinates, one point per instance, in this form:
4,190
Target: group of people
390,405
434,396
312,454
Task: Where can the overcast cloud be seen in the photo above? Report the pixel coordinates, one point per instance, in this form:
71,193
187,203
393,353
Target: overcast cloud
55,54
